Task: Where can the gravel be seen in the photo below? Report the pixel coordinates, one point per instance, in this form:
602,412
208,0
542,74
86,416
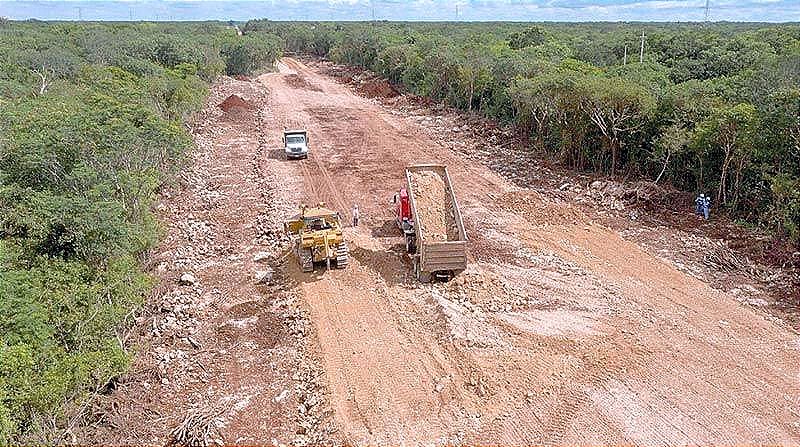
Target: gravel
434,208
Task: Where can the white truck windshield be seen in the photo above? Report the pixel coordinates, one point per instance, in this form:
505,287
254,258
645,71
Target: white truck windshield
295,139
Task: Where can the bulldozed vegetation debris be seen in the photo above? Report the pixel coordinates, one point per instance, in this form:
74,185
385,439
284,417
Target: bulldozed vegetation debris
200,428
365,82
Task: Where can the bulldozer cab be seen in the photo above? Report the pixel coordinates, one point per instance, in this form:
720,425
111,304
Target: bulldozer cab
316,218
317,224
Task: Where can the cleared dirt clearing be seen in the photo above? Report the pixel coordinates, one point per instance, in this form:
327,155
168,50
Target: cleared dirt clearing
631,345
560,331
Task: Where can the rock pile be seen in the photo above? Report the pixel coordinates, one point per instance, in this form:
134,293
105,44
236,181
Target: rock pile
177,313
177,320
486,291
314,416
434,207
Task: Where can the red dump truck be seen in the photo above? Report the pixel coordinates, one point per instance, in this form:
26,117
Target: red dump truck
427,212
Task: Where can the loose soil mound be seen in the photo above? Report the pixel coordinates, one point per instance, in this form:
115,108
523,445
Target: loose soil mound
434,208
378,89
235,103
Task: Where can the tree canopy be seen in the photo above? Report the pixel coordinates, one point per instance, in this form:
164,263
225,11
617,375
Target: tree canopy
709,108
91,125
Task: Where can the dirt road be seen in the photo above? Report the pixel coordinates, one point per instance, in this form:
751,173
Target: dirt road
560,331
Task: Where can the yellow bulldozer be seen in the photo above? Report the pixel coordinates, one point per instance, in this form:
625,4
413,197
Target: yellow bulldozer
317,237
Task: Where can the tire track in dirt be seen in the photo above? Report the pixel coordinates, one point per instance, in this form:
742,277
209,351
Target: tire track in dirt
377,397
527,429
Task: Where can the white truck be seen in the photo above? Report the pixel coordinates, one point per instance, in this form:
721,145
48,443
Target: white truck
295,143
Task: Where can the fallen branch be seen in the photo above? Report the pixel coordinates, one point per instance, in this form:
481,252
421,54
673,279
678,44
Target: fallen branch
200,428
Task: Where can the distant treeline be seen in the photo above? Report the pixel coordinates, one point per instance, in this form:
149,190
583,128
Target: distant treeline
712,108
91,125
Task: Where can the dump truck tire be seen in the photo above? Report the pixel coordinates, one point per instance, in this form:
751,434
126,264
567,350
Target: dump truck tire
411,244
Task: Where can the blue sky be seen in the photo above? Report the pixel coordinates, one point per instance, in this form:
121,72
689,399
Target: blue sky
516,10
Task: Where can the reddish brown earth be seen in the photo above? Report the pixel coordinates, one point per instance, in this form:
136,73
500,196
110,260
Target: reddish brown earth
560,331
235,103
377,88
299,82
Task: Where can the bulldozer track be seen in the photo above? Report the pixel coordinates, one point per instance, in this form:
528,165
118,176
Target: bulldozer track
306,259
331,190
312,190
342,255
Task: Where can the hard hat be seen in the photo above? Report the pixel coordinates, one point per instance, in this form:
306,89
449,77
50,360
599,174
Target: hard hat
701,195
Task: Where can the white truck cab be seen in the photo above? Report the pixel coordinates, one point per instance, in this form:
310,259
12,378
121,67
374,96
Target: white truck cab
295,143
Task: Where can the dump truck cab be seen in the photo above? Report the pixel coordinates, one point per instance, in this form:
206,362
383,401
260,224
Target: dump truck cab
404,219
403,206
295,143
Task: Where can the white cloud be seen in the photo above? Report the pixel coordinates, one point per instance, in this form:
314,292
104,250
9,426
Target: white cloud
516,10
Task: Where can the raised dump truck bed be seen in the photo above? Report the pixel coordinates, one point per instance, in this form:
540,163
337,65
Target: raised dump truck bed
441,242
